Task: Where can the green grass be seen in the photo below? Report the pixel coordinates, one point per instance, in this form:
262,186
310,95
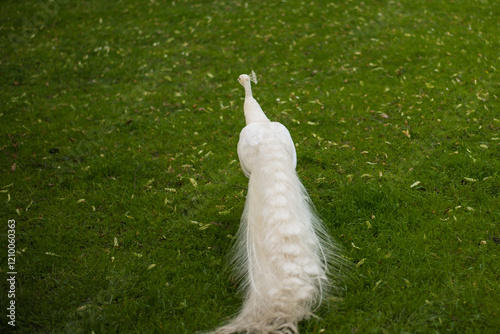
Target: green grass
120,121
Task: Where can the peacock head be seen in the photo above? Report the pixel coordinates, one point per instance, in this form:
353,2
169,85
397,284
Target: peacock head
245,79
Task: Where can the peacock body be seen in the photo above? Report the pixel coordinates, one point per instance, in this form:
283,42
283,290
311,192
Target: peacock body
282,255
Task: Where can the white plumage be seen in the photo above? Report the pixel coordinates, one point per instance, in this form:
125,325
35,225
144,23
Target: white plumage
282,255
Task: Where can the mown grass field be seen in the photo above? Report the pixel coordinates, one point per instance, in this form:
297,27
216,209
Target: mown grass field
119,126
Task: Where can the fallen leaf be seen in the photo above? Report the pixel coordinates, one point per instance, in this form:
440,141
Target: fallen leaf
204,226
52,254
377,284
360,263
470,179
193,182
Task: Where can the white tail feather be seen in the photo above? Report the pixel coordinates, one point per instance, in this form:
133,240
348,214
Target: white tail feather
282,252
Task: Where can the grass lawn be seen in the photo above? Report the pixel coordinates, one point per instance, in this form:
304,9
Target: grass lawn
119,125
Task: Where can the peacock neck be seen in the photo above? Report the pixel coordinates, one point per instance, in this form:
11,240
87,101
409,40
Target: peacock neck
252,109
248,90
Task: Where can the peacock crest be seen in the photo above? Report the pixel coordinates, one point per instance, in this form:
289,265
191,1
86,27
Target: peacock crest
253,77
